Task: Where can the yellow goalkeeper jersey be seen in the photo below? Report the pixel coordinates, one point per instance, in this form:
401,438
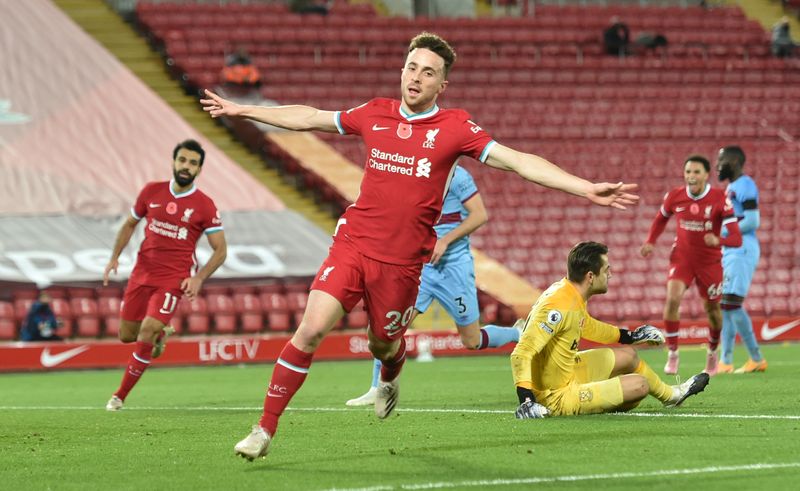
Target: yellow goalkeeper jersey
544,358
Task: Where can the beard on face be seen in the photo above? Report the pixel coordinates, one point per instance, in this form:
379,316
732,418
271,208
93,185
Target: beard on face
725,173
183,178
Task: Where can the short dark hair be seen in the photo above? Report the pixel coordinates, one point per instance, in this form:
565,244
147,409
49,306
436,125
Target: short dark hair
585,257
736,152
192,145
698,158
436,44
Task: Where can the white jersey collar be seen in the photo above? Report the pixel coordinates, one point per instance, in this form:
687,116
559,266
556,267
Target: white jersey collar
699,196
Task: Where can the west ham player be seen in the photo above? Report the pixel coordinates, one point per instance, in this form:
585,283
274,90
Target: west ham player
177,214
702,211
739,263
450,275
383,239
553,377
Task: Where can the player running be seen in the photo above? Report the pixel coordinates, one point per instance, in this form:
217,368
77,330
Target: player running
450,275
739,263
178,214
383,239
553,378
702,211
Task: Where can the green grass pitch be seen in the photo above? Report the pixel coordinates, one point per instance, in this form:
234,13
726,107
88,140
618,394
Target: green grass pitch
454,429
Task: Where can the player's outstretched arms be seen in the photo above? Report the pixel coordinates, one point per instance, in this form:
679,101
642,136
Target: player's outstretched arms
295,117
645,334
618,195
217,107
541,171
528,407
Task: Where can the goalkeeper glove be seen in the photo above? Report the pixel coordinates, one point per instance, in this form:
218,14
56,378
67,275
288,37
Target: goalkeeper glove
642,335
531,410
528,407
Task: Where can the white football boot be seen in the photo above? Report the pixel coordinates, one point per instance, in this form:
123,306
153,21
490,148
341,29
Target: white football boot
114,404
367,399
255,445
386,398
694,385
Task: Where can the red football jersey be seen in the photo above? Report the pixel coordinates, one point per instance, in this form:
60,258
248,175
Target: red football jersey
409,163
698,215
175,223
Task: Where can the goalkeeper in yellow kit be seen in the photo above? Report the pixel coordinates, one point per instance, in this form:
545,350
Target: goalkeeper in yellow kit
553,377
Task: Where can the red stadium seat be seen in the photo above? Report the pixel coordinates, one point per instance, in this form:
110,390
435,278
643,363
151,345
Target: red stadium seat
221,308
196,312
21,307
109,291
8,322
276,308
248,307
87,318
64,316
108,308
296,301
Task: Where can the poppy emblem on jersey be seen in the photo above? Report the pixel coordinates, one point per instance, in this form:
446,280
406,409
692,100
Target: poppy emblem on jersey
694,209
172,208
404,130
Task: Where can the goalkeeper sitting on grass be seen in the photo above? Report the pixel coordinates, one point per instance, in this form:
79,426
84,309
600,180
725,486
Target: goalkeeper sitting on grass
553,378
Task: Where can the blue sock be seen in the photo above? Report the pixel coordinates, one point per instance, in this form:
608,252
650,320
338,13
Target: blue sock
497,336
745,328
728,338
376,372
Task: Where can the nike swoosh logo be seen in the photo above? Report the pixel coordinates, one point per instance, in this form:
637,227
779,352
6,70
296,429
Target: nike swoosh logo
273,394
49,361
769,333
154,205
375,127
680,209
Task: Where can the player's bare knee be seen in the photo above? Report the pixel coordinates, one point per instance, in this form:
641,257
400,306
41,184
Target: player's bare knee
127,336
634,387
307,338
150,329
382,350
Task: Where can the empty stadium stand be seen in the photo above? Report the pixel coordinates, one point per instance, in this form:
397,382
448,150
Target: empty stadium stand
541,84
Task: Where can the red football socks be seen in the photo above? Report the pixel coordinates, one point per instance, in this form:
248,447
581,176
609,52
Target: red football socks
672,334
713,338
288,376
138,363
391,369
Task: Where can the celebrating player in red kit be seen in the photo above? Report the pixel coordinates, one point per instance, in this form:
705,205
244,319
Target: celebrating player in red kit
696,254
166,268
383,239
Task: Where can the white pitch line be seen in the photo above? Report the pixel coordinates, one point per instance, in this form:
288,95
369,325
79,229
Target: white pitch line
576,478
669,414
